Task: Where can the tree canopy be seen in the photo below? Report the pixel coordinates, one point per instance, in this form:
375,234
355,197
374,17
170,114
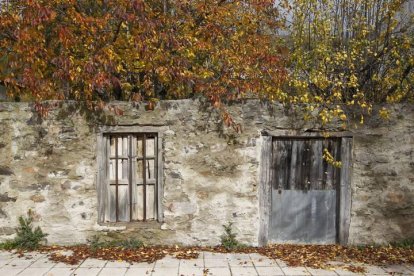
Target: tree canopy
318,54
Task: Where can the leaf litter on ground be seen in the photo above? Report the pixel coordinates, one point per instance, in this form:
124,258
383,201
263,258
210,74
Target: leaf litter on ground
350,258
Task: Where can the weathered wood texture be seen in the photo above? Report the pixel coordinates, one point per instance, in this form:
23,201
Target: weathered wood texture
128,177
345,191
299,164
266,177
307,191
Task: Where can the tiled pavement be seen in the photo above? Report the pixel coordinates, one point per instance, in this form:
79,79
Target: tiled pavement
207,264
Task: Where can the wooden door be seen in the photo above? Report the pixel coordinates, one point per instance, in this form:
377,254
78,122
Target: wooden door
304,191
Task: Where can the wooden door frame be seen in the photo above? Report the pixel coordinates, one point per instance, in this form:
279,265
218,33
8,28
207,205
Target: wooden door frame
266,176
101,157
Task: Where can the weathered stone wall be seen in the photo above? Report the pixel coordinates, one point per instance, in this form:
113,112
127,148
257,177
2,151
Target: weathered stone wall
211,174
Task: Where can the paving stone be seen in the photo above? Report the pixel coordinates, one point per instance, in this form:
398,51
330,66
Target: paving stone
269,270
7,257
19,263
113,271
200,255
295,271
212,255
167,262
243,271
86,271
63,265
117,264
138,271
409,267
10,271
4,262
281,263
43,262
374,270
194,263
264,261
216,263
33,256
343,272
142,265
31,271
321,272
238,256
93,263
193,271
219,271
60,271
240,262
398,269
164,271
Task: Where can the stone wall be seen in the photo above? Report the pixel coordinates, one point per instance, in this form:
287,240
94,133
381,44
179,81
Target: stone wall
211,174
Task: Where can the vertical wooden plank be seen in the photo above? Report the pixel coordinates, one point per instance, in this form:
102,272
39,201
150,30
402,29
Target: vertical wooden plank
330,184
288,160
281,159
108,206
150,202
316,166
112,146
151,170
116,179
345,190
124,154
101,176
299,166
293,165
139,206
275,165
144,178
160,181
133,159
150,146
123,203
306,168
266,176
112,210
139,146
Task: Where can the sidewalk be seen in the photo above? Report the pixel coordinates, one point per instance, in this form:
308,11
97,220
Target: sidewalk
207,263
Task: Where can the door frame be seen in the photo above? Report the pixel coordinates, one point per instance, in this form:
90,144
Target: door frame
344,190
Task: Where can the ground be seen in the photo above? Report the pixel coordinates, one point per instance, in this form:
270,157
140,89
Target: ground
207,263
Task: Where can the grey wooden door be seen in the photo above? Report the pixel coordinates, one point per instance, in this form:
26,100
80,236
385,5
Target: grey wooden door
304,192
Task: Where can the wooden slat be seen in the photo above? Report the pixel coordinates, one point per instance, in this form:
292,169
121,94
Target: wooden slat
266,178
150,189
139,206
160,187
150,146
330,184
316,166
101,176
107,188
345,190
144,166
112,210
281,152
293,166
306,165
116,180
121,182
134,196
123,203
139,147
125,163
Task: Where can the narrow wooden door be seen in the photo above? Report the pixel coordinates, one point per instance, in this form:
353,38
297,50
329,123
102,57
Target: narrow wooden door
304,192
